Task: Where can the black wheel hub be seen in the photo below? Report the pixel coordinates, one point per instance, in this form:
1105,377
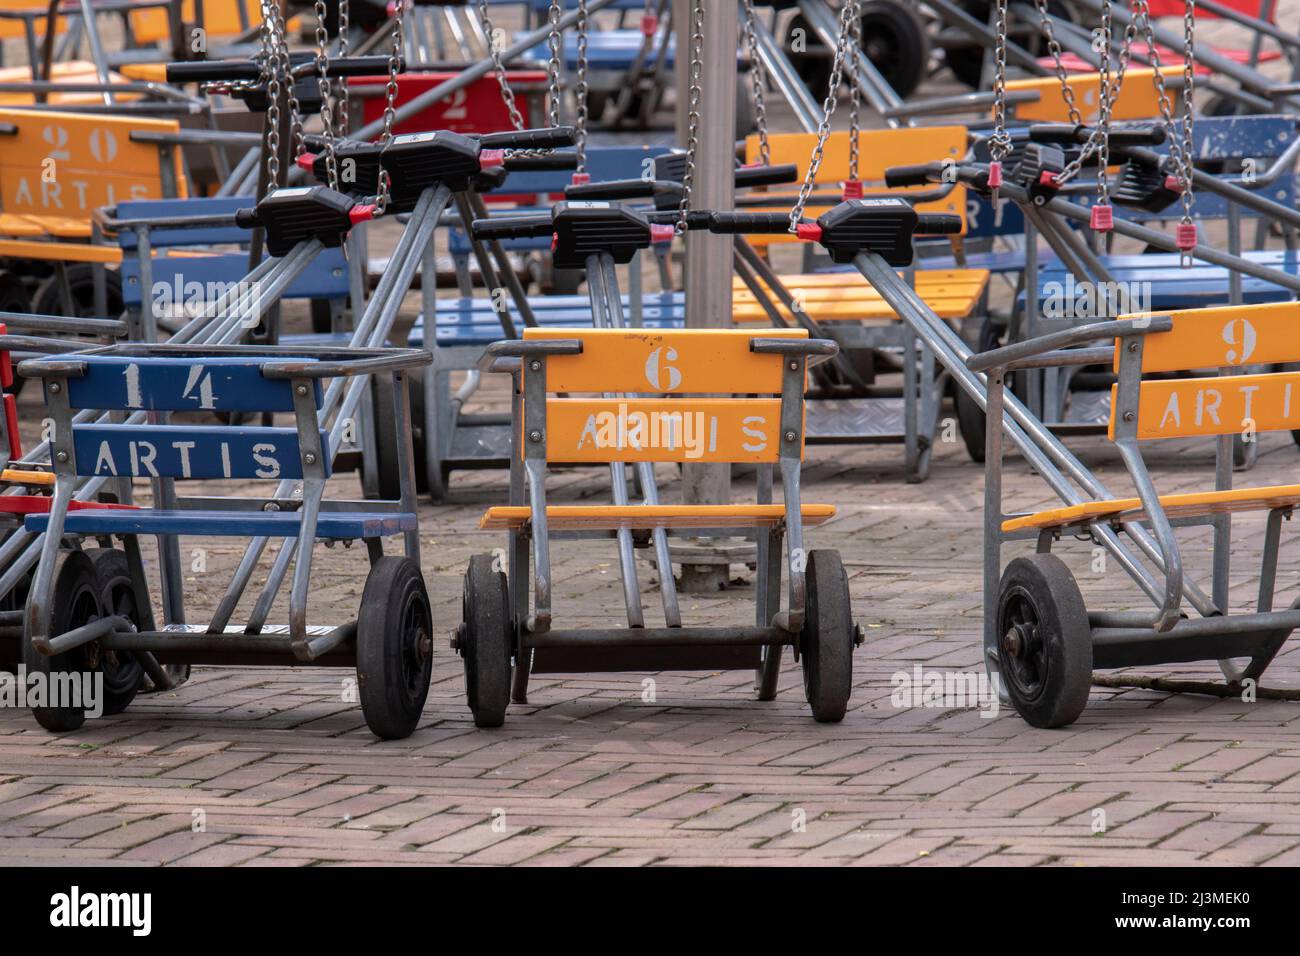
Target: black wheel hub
1023,654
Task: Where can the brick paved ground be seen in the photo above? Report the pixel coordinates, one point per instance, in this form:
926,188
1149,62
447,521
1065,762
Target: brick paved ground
272,768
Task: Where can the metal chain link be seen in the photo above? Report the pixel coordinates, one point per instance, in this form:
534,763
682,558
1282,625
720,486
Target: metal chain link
1054,48
1000,140
580,93
326,109
281,47
271,71
1189,89
855,99
390,102
1104,104
695,73
553,41
758,84
343,119
507,97
848,13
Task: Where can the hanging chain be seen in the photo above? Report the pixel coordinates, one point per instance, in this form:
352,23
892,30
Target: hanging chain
855,99
848,13
758,84
580,93
271,70
1189,88
1000,141
390,104
696,71
280,46
1054,48
507,97
553,66
343,119
326,109
1104,103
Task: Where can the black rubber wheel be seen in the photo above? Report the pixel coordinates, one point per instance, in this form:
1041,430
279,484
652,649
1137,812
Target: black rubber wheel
322,317
415,389
14,298
1044,642
826,643
967,62
388,466
486,641
971,422
81,283
768,672
74,602
123,673
394,647
893,38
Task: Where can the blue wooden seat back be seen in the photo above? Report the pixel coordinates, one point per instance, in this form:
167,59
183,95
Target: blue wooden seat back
180,383
162,236
473,322
607,50
189,451
326,277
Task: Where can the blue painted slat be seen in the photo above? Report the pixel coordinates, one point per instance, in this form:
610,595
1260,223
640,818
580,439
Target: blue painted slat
237,524
202,279
232,384
164,236
189,451
604,163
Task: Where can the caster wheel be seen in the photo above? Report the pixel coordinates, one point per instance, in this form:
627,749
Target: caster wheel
826,644
394,647
970,424
74,601
388,465
81,283
486,642
123,673
768,672
1045,646
322,317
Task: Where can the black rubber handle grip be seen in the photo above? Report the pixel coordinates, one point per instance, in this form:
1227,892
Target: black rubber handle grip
917,175
512,227
937,224
767,175
204,71
560,160
614,189
752,223
350,66
247,218
554,138
695,218
1071,134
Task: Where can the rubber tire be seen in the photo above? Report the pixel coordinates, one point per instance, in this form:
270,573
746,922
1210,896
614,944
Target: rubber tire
905,71
393,673
486,642
322,317
81,281
826,643
1050,587
415,389
967,63
74,602
122,679
971,423
387,474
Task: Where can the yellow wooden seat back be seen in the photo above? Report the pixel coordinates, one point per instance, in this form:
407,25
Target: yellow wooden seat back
56,169
663,373
878,150
221,18
1220,338
13,29
1137,97
73,71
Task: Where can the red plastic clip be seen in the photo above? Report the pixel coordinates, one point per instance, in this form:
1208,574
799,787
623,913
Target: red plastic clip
1101,218
649,25
1185,238
995,175
6,362
306,160
852,189
1048,178
555,241
487,158
662,233
11,425
1174,184
581,179
362,212
809,231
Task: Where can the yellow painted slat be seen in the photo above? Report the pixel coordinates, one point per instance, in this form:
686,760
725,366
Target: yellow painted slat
1187,505
1137,98
1220,405
1224,337
610,517
667,429
879,149
663,361
53,251
20,476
